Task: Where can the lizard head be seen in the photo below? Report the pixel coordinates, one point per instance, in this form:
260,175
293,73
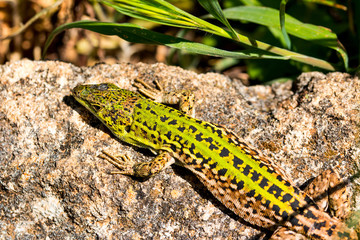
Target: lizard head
109,103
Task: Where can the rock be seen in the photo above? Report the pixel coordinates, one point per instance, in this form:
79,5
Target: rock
53,185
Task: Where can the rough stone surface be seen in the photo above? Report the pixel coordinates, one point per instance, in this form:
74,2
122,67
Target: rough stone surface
53,185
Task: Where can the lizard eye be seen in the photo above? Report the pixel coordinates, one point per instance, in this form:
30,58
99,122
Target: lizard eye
96,108
103,87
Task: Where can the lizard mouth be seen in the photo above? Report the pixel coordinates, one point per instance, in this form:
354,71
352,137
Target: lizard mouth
82,94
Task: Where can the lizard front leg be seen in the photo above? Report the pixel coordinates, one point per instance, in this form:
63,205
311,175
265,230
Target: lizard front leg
184,98
143,169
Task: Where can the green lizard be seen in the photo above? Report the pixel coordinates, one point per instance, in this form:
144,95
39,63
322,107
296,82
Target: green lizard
252,186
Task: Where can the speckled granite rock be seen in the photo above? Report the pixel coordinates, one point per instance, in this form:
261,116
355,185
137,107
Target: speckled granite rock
53,185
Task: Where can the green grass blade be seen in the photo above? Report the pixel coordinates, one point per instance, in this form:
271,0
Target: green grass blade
269,17
136,34
213,7
162,12
282,24
330,3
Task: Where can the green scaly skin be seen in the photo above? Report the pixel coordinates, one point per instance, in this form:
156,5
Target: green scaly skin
250,185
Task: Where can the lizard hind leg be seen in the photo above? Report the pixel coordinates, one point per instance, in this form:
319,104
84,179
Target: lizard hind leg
328,191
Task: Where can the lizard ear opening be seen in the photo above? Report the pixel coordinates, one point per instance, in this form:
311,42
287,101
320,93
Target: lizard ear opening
127,128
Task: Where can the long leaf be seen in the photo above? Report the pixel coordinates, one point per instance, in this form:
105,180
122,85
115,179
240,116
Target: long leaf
162,12
213,7
136,34
270,17
282,23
